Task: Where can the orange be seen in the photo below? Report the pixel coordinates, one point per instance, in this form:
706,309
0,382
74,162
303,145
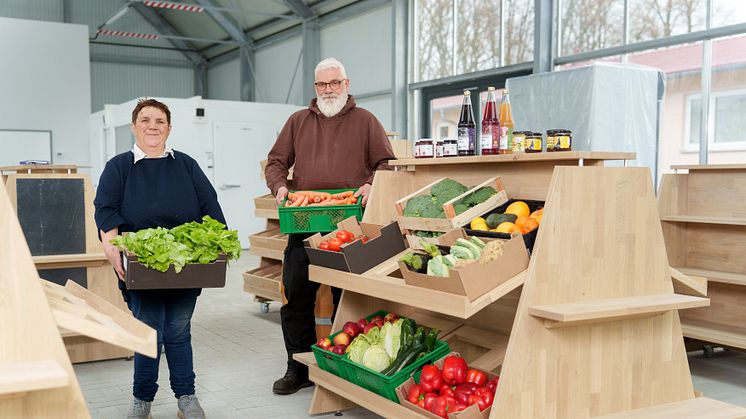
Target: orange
516,229
536,214
519,208
538,219
504,227
531,224
521,221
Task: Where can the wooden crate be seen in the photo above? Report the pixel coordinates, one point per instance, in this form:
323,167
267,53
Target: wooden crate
268,243
265,281
265,206
452,220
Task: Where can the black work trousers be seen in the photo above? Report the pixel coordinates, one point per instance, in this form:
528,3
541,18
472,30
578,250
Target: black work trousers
297,316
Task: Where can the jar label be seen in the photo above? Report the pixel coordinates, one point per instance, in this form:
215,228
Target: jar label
439,150
551,142
450,150
536,144
518,143
564,142
425,150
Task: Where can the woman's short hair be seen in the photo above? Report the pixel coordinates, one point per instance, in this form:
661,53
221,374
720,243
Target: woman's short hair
144,103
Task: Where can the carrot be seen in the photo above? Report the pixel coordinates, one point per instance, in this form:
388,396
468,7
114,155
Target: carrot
297,202
304,201
336,202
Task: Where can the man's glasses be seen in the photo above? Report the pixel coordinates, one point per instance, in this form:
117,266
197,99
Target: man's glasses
334,84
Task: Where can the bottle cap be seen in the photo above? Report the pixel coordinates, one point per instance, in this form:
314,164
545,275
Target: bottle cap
467,93
490,89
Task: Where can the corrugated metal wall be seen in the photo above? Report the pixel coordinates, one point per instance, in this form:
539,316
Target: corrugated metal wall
224,81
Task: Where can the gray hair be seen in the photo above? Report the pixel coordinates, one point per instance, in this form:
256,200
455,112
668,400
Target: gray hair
328,63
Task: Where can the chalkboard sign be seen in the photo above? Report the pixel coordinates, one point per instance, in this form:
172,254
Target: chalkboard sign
61,275
52,215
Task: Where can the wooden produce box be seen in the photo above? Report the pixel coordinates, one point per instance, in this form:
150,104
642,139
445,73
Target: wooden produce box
452,220
529,238
357,257
471,412
193,275
270,243
265,206
475,279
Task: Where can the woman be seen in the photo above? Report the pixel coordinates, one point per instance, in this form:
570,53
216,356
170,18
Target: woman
155,186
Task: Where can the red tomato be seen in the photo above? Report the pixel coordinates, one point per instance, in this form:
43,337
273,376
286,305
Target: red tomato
335,244
345,236
324,245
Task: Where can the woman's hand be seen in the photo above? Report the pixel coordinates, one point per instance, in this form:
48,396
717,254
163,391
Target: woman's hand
112,252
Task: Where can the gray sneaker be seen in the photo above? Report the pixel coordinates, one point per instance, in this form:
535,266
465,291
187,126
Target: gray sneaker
139,410
189,408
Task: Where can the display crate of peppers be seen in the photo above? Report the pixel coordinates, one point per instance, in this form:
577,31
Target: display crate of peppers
449,388
379,352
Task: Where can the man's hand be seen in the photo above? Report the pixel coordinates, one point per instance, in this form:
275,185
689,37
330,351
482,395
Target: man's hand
363,192
281,194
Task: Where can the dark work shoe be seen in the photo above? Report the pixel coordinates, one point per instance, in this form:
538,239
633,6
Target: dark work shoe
290,383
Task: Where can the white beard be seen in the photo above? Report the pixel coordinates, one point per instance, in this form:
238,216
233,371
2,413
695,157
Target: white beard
331,105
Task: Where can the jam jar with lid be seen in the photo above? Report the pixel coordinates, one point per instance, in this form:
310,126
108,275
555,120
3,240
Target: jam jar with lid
564,140
533,142
450,147
424,148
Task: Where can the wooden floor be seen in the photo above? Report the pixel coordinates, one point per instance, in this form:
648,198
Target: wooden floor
239,352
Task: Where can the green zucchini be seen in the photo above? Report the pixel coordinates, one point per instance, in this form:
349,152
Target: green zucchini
402,361
430,339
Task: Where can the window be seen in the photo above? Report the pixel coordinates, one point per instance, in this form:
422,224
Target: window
589,25
445,112
729,129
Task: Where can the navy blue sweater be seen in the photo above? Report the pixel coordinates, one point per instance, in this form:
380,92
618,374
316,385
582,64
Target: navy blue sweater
163,192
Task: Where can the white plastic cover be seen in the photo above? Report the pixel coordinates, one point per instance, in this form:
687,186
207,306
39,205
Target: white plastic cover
608,107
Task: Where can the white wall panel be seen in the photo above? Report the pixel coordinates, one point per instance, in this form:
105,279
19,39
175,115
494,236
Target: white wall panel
224,81
363,45
117,83
45,83
380,106
275,66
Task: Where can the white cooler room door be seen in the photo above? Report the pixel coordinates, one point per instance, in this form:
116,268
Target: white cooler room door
238,148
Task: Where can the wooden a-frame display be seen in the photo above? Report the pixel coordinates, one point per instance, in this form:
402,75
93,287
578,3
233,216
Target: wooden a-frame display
36,377
597,329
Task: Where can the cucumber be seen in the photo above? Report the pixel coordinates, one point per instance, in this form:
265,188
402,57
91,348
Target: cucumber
402,361
430,339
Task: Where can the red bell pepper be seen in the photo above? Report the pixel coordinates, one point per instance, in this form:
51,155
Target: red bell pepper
463,391
456,407
446,390
427,401
454,370
477,377
492,384
483,397
415,394
442,404
430,379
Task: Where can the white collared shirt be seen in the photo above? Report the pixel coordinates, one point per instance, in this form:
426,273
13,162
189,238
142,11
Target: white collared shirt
139,154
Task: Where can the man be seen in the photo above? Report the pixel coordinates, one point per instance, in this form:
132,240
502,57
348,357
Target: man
331,145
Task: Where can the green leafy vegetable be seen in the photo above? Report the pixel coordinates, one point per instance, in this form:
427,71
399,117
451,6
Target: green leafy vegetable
194,242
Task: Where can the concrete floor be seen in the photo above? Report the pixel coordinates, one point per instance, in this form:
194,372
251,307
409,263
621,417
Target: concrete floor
239,352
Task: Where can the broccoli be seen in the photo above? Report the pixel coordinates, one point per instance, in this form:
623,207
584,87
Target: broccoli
432,211
422,233
459,208
480,195
445,190
416,205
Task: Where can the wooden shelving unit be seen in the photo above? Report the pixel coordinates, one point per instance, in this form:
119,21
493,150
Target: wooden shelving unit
514,342
703,216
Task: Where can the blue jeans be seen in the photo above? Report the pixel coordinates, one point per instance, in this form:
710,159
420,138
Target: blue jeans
169,312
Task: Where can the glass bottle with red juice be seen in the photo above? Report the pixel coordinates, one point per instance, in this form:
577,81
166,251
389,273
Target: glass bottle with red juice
490,140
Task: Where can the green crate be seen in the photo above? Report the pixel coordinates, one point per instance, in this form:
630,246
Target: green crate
332,362
385,386
317,219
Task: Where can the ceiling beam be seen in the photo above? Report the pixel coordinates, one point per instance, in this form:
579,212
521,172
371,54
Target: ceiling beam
126,59
300,8
224,20
165,28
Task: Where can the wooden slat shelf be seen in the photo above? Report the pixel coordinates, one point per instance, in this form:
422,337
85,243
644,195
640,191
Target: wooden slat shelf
592,311
395,289
696,408
21,377
518,157
704,219
269,244
265,206
264,281
76,260
716,276
349,391
709,167
714,334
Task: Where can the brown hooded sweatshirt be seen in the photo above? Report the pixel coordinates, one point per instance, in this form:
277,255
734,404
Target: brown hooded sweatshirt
343,151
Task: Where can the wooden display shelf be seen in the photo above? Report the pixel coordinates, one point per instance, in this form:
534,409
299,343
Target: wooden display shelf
264,281
378,283
697,408
709,167
714,333
269,244
484,349
21,377
81,260
608,309
517,157
265,206
704,220
716,276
